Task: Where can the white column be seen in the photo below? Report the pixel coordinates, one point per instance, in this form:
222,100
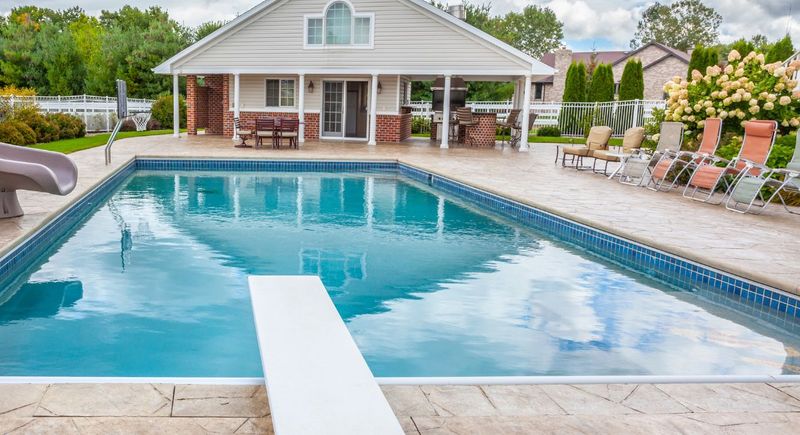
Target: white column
176,108
236,103
446,114
373,111
301,110
526,109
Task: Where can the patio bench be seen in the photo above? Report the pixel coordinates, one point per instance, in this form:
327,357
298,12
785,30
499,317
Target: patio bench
317,380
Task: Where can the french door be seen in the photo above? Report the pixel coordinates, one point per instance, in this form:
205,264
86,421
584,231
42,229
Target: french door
344,109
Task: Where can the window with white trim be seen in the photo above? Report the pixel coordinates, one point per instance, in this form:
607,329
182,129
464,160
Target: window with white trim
280,93
339,27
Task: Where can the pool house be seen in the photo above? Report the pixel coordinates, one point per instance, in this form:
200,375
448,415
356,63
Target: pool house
344,69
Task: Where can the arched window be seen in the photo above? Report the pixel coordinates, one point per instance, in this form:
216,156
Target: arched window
339,26
338,22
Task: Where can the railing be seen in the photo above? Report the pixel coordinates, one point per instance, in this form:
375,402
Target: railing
98,112
796,76
573,119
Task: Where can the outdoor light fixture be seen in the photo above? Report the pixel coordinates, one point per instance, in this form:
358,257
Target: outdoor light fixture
380,88
310,87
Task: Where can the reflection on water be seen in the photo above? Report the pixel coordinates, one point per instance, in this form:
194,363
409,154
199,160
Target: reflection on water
154,284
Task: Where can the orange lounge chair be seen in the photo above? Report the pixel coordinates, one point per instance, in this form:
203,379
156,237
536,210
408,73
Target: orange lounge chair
759,137
712,132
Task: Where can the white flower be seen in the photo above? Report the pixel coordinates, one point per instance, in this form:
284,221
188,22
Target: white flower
723,114
754,109
779,72
711,111
729,69
795,122
784,101
768,106
734,55
753,102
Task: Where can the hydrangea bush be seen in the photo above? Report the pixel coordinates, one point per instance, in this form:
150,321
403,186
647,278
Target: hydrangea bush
745,89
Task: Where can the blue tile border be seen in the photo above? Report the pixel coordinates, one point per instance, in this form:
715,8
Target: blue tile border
753,298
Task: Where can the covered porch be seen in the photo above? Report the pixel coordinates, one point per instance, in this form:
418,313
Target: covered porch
369,108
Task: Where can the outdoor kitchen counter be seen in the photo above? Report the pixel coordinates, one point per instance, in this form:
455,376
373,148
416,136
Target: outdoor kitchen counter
483,134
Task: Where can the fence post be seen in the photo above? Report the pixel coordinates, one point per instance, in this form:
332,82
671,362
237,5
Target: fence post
85,112
11,101
108,115
635,113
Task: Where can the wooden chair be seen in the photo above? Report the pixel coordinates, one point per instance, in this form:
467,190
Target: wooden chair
288,129
467,121
265,127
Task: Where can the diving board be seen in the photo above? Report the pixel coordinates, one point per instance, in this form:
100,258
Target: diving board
317,380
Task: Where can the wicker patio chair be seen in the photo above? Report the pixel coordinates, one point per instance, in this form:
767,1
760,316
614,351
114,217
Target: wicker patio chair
466,121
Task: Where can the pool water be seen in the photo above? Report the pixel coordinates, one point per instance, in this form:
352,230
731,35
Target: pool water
154,284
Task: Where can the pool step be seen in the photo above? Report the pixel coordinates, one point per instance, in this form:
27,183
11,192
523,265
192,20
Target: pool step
317,379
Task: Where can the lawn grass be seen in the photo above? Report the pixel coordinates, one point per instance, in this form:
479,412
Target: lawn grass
67,146
547,139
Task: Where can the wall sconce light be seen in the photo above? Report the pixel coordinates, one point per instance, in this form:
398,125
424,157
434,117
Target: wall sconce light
310,87
380,88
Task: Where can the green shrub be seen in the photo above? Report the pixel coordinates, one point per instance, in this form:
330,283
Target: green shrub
162,111
781,154
10,134
28,135
548,131
46,131
69,126
420,124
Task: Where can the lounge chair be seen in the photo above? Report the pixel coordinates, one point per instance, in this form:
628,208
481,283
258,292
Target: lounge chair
634,169
597,141
287,130
747,195
759,137
23,168
265,128
509,123
686,160
631,143
242,133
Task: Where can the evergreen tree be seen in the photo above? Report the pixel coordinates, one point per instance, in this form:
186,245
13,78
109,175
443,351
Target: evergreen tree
631,85
743,46
602,86
575,83
697,61
780,50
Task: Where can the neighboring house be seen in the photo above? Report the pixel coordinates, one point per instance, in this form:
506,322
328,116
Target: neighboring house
660,64
342,67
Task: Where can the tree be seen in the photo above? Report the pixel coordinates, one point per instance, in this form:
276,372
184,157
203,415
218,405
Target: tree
741,45
62,62
681,25
575,83
602,86
781,50
206,29
535,31
701,59
631,85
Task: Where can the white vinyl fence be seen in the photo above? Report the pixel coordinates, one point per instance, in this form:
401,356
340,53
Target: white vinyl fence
99,113
573,119
796,76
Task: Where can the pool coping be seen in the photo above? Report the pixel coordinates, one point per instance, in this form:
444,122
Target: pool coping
421,174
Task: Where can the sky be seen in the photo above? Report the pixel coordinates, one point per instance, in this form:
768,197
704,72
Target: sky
588,24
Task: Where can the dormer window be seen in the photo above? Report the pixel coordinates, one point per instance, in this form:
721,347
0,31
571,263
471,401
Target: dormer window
339,27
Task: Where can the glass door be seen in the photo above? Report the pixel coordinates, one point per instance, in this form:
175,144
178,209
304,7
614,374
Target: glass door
332,109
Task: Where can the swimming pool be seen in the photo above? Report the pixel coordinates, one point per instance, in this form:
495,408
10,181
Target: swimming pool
152,282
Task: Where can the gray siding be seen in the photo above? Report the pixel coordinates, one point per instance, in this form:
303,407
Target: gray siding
405,38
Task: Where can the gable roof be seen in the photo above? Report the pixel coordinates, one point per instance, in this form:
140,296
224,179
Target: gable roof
537,68
549,59
671,52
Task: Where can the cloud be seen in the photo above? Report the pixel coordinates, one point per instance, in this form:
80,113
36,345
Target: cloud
610,22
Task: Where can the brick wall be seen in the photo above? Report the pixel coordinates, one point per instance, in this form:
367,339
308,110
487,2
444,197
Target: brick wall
191,104
312,126
389,128
201,115
217,101
484,134
405,126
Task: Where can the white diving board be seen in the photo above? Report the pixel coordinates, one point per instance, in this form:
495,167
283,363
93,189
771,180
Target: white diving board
317,380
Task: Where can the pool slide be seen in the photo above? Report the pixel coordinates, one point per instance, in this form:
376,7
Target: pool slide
24,168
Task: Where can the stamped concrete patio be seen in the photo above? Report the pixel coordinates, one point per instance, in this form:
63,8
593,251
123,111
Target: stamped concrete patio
493,409
757,247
